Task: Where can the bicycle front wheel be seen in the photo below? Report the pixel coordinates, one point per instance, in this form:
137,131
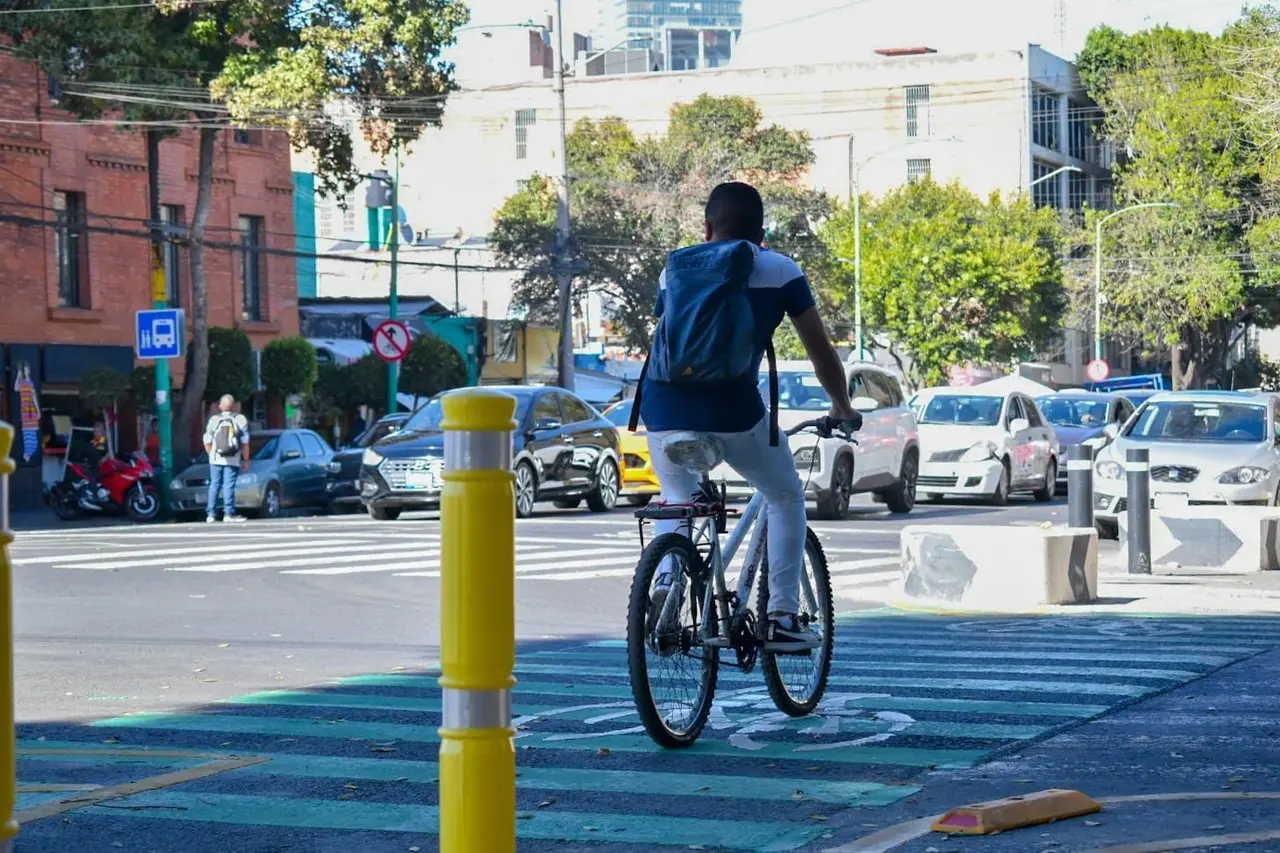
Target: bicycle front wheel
673,676
796,682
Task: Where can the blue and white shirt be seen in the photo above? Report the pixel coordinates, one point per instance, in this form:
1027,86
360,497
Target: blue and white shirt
777,288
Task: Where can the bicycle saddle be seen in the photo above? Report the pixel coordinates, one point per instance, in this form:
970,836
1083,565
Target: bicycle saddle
695,451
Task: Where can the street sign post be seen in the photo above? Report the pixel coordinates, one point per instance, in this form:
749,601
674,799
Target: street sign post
391,340
1097,370
160,334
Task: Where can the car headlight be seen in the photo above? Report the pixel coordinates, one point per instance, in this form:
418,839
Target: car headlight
1243,476
1110,470
1095,442
980,452
804,457
247,479
335,467
177,485
370,457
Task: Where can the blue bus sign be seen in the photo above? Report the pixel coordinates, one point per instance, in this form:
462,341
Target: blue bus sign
161,333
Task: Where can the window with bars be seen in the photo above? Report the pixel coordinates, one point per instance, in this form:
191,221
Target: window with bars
524,119
1044,118
72,247
1078,191
918,119
1046,193
324,220
172,217
917,169
1103,194
1081,142
252,265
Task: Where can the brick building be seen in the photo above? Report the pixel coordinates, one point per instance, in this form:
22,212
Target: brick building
73,239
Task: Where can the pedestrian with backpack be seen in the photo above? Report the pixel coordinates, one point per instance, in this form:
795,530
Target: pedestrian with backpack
226,440
718,305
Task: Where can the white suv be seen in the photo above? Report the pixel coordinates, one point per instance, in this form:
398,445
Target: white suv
886,460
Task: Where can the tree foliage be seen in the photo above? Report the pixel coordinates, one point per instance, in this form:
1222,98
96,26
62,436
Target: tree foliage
142,388
633,200
102,388
288,367
231,365
952,279
431,366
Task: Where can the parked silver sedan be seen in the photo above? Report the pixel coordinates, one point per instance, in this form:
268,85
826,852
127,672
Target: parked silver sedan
1205,447
287,468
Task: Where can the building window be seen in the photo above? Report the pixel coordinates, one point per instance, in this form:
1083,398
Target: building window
252,265
247,136
1081,142
524,118
917,169
1078,191
171,217
918,111
73,249
348,221
1103,194
1046,193
1044,118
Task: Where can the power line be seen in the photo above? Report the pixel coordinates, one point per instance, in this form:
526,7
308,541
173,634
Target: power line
111,7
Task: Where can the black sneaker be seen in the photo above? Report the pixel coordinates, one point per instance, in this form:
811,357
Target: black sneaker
785,634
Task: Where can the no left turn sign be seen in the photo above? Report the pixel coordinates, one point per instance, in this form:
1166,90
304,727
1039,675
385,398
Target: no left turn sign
1097,370
391,340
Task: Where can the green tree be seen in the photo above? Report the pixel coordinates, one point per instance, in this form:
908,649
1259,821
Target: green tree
431,366
247,63
950,278
288,367
633,200
231,367
102,388
142,388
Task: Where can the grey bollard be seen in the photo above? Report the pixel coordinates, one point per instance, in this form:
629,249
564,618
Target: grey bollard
1080,486
1139,481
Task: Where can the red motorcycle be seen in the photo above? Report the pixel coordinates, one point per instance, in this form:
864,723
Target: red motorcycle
124,484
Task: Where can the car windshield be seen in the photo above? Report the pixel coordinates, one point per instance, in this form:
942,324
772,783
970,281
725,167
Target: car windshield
1064,411
620,415
263,446
377,432
963,410
1202,421
801,391
430,415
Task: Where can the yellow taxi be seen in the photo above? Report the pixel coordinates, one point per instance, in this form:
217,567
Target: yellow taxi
639,481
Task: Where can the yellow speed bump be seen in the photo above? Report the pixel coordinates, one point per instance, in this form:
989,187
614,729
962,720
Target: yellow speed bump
1015,812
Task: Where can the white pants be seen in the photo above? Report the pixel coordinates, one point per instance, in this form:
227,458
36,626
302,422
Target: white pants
771,471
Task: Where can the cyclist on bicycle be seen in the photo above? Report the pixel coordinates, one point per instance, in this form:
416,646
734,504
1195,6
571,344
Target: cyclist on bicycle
703,373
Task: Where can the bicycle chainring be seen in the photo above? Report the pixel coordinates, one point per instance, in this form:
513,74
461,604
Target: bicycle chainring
742,636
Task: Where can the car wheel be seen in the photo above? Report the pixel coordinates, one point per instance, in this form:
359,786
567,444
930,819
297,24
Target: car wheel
384,513
604,497
1045,493
271,502
902,497
1001,495
526,490
569,504
639,500
834,505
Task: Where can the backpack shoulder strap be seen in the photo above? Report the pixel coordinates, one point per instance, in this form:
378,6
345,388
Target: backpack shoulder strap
635,401
773,393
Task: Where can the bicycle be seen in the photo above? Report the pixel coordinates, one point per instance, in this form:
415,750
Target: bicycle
717,618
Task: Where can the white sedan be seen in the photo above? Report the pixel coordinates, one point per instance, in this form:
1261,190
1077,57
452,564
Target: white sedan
976,444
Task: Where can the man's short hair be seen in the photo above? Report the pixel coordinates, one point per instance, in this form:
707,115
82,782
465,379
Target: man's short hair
735,211
227,400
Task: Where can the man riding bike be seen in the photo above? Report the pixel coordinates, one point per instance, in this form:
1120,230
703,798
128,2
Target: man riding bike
699,337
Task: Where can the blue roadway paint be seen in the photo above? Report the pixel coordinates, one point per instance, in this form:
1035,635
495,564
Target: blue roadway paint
908,692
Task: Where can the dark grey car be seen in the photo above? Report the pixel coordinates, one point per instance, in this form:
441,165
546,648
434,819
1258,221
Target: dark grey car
288,468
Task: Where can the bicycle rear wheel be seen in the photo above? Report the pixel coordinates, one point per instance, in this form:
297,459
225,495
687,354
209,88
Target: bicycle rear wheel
673,676
797,682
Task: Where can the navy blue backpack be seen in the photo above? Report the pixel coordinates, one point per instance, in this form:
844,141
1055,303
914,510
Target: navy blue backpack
706,332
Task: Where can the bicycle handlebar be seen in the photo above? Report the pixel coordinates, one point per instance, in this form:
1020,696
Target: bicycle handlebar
826,426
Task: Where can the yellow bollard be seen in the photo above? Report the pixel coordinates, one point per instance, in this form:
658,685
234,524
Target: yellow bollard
477,624
8,736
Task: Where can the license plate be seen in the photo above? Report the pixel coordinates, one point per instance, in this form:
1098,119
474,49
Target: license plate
202,497
1171,500
421,480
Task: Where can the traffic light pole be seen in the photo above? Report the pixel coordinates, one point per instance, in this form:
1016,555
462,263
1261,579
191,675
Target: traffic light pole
160,299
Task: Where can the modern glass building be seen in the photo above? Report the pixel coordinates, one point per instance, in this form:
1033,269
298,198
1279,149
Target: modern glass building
685,34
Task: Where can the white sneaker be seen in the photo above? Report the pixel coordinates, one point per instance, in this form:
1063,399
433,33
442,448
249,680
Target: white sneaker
210,520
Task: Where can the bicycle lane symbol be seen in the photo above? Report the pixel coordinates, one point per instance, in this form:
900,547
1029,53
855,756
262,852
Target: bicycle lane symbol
746,715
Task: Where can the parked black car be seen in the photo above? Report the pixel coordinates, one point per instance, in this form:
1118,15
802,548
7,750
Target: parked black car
343,484
564,450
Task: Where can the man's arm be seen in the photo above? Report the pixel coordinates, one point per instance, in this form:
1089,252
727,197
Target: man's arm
208,440
243,425
826,363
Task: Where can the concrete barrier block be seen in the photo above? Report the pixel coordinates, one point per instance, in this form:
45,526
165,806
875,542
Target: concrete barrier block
999,567
1227,538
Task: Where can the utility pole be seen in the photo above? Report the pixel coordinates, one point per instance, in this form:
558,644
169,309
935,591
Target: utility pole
160,299
564,278
393,367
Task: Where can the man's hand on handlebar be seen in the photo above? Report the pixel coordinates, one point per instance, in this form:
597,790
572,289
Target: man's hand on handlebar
826,426
850,419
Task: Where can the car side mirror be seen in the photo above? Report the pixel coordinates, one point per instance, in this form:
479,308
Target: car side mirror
290,455
546,424
1111,431
864,404
1019,424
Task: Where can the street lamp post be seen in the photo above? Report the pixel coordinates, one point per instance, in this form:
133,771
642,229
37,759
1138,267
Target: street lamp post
1097,268
1054,174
